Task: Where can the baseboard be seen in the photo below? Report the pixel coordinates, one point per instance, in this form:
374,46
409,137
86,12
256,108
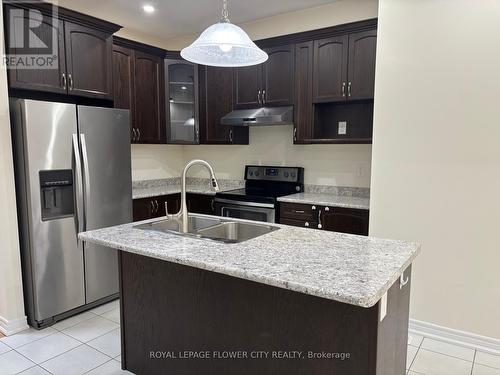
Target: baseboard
454,336
10,327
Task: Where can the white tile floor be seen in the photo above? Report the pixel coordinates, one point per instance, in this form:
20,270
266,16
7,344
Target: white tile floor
89,343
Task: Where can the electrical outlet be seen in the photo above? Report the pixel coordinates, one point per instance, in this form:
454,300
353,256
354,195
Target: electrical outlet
342,128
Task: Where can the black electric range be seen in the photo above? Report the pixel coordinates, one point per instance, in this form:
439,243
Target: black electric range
258,200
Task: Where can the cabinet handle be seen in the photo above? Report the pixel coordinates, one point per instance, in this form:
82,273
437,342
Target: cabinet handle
231,136
157,205
306,224
259,98
212,204
295,134
152,207
349,89
320,225
64,81
403,280
343,89
299,211
264,99
197,140
134,135
138,135
70,81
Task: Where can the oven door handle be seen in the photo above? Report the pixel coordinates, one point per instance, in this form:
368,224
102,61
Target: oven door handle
247,204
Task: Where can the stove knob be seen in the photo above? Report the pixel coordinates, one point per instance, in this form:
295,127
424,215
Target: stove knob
286,174
251,173
257,174
293,174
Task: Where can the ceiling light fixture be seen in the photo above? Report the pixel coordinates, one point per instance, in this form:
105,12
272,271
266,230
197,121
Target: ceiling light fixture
224,44
148,8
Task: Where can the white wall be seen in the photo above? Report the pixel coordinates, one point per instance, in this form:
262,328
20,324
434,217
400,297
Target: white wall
11,292
436,154
151,162
339,165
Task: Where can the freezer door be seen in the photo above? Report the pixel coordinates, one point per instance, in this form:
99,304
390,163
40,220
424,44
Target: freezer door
105,147
53,262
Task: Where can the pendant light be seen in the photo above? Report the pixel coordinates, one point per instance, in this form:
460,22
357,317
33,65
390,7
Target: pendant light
224,44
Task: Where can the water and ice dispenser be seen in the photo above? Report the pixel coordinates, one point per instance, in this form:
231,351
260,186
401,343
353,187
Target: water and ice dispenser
57,194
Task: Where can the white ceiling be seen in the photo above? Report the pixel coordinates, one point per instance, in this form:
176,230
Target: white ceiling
183,17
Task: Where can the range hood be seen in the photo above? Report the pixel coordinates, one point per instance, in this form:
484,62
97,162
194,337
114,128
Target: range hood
259,116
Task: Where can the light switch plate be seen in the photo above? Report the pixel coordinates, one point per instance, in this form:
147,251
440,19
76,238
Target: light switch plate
342,128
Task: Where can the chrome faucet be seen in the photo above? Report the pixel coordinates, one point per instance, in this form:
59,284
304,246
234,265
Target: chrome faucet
182,215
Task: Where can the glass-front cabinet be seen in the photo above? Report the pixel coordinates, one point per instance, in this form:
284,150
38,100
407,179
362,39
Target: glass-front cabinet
181,86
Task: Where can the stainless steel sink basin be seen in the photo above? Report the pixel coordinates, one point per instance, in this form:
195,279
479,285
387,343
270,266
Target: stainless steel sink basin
233,231
211,228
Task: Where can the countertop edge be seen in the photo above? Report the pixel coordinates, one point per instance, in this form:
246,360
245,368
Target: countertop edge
365,302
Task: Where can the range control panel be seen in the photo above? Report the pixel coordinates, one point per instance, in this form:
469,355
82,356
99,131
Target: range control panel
282,174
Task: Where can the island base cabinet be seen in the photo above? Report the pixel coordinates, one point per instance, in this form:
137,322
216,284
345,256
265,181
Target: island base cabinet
180,320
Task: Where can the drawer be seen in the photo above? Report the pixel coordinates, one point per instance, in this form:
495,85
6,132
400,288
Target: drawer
302,212
299,223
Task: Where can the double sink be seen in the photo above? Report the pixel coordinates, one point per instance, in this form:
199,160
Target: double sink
211,228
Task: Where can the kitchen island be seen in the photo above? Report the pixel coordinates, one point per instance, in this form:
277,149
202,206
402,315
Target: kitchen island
293,301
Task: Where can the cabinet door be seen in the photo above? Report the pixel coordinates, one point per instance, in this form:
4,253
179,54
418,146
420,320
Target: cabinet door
345,220
216,101
46,80
142,209
201,204
330,69
123,83
88,61
181,86
279,77
173,202
149,98
248,87
303,123
362,53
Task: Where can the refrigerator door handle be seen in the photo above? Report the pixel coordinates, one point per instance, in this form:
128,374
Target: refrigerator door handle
79,190
85,170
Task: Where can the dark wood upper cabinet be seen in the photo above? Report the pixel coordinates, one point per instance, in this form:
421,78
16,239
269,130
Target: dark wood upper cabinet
149,98
182,111
216,101
247,87
278,85
123,83
267,84
83,51
361,72
88,61
303,123
48,80
330,69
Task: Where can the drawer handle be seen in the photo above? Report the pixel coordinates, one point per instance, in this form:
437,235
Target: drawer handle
299,211
320,226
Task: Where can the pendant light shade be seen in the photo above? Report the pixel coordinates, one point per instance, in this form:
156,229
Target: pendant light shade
224,44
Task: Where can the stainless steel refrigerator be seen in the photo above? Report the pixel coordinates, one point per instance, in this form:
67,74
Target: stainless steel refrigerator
73,173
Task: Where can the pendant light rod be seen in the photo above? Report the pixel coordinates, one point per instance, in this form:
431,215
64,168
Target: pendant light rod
225,12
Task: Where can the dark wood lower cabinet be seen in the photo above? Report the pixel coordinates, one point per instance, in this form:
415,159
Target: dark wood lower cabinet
149,208
335,219
171,312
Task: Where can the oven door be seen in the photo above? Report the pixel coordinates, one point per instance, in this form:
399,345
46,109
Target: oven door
245,210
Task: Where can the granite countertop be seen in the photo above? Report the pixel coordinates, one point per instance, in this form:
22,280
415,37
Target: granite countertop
346,268
327,199
154,188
